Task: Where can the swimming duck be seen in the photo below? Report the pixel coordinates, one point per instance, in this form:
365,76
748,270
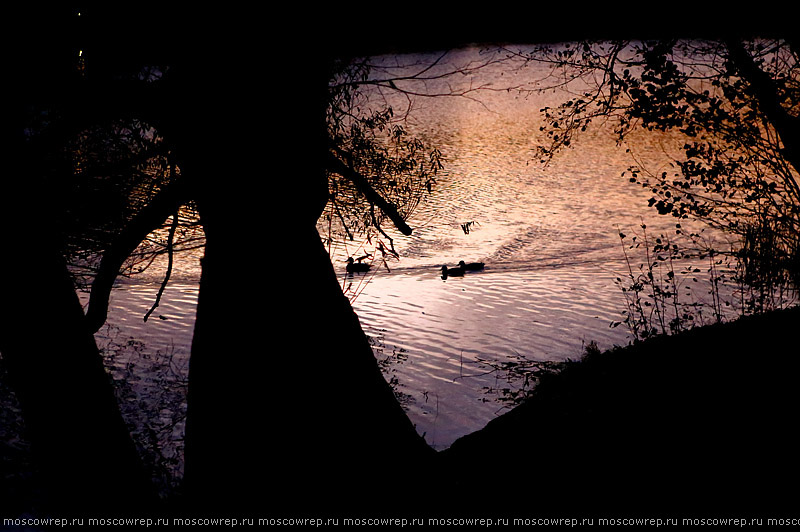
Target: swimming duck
471,267
452,272
356,266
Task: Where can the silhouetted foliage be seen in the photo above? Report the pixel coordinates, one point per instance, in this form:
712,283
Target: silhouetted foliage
387,170
105,171
730,108
381,161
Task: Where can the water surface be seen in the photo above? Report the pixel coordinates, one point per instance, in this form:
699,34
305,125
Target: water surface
548,234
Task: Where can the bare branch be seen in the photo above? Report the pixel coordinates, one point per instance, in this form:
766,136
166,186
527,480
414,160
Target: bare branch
170,240
363,186
166,202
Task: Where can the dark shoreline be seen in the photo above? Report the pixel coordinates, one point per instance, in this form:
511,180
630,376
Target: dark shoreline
702,423
696,423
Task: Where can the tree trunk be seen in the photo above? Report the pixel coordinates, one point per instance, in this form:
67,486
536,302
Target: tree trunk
81,445
284,389
769,99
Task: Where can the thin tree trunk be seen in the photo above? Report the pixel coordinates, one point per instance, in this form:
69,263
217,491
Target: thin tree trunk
766,93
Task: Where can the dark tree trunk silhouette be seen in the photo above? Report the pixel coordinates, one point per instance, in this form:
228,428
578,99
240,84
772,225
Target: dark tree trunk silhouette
284,388
769,99
87,460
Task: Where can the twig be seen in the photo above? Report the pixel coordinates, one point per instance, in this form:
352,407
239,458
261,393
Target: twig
361,183
167,275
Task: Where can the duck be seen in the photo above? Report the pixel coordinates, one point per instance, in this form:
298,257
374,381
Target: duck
356,266
470,267
452,272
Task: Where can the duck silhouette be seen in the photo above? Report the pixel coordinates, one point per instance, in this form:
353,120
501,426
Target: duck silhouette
452,272
356,266
471,266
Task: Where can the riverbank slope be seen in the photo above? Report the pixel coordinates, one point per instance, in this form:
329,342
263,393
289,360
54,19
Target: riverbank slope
697,423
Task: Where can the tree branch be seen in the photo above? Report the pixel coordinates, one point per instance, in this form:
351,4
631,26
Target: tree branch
337,166
166,202
765,91
170,240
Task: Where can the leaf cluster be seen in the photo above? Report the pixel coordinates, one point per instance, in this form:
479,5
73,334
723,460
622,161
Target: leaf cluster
733,171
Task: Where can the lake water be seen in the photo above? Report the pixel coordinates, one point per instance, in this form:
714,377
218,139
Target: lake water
547,234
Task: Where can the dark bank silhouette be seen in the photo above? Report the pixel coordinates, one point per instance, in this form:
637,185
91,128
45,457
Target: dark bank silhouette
267,431
691,424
